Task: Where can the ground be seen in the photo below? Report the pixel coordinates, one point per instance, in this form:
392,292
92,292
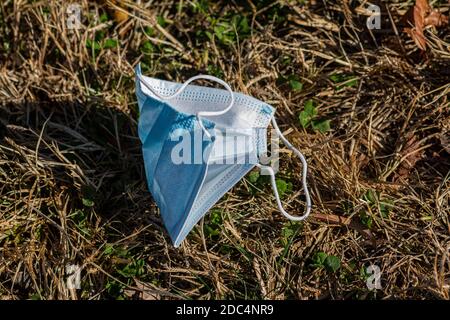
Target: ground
369,109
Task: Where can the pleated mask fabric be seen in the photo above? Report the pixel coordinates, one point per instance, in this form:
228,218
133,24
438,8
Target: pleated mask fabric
197,143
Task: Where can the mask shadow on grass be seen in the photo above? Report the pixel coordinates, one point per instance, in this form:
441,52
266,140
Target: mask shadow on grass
74,158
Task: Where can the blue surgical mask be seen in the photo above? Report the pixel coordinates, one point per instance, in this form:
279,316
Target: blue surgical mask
197,143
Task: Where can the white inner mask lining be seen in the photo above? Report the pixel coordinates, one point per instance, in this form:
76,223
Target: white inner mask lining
245,113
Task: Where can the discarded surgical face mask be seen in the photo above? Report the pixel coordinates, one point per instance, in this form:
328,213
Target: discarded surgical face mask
197,143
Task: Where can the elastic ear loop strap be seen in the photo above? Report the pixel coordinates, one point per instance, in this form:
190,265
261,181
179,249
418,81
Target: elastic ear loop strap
200,113
273,181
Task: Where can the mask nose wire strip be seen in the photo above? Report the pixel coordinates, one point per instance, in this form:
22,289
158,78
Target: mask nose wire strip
273,181
200,113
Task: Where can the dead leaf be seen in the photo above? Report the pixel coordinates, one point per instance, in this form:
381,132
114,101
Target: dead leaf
418,37
411,153
120,16
117,8
436,19
423,6
419,17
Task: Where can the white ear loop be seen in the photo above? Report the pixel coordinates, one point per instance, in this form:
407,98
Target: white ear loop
273,181
200,113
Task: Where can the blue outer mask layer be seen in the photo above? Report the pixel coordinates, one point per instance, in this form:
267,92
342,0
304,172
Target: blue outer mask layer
185,192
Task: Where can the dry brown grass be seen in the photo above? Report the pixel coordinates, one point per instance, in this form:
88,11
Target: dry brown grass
73,191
